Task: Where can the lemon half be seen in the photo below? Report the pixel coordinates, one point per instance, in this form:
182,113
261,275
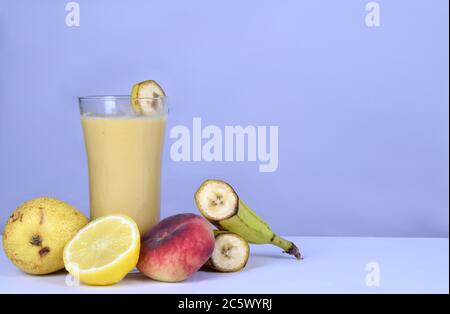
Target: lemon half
104,251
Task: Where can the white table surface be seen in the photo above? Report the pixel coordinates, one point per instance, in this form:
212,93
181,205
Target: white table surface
331,265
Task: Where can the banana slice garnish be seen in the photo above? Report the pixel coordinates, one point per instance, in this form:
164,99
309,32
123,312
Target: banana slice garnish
147,97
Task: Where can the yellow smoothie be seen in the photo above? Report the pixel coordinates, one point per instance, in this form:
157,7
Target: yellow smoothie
124,159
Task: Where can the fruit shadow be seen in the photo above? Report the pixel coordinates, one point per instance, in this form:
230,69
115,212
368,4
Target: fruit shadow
260,260
15,272
272,256
141,278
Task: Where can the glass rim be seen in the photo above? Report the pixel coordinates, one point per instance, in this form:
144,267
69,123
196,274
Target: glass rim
117,97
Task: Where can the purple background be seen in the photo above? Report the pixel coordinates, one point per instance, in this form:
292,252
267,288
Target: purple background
362,112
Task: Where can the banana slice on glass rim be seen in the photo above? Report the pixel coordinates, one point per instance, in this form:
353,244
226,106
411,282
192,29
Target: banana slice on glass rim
147,97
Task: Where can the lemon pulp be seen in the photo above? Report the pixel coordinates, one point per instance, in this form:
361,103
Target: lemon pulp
104,251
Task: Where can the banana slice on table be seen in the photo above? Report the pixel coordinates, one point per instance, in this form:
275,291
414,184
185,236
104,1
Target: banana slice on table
147,97
220,204
230,253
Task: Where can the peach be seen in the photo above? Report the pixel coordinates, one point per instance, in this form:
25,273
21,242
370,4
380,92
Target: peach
176,247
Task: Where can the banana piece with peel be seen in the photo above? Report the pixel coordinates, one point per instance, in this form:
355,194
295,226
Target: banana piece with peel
146,97
231,252
221,205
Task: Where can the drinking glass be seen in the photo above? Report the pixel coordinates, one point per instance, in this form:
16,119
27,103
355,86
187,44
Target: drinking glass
124,148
